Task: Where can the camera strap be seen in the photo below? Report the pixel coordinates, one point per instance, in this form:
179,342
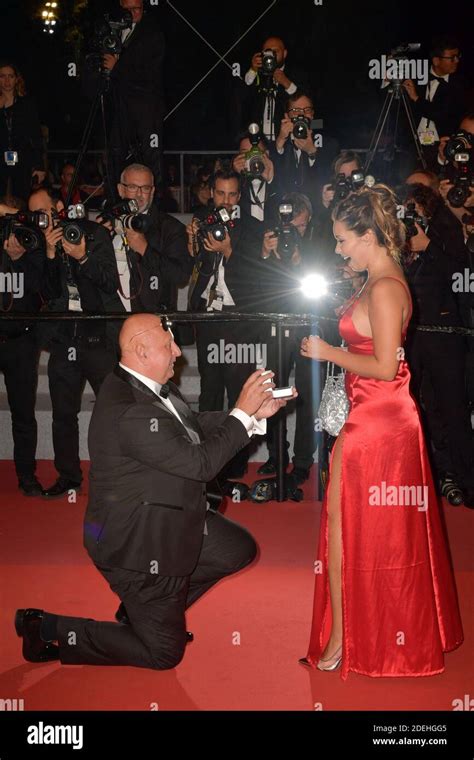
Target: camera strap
254,195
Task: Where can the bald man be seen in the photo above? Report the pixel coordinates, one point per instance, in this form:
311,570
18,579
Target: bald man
265,103
148,527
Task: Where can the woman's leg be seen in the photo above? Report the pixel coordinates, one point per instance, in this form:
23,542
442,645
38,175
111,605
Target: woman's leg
335,549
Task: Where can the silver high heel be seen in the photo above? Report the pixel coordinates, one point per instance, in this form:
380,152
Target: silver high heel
334,666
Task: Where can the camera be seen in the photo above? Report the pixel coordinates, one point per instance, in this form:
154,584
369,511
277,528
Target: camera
410,218
302,125
269,62
217,223
108,33
459,193
459,143
126,211
403,51
23,225
286,232
343,185
72,231
254,165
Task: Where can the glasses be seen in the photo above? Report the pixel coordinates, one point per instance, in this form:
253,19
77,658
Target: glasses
165,324
452,57
308,109
146,189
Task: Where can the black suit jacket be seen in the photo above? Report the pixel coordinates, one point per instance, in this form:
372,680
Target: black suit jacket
147,487
447,107
166,263
138,73
254,100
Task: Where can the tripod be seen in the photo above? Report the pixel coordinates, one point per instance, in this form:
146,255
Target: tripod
98,101
395,96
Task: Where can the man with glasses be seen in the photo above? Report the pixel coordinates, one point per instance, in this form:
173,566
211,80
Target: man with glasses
148,527
297,164
438,110
154,263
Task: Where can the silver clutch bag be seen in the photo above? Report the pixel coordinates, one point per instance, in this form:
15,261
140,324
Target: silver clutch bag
334,406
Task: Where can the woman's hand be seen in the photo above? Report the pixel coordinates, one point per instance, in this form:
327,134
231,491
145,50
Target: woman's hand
315,348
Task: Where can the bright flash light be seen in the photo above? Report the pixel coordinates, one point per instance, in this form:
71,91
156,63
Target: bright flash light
314,286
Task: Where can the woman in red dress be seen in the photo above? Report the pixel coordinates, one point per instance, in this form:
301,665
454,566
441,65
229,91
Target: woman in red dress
385,599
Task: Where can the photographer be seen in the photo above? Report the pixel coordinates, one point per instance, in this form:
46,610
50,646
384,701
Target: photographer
270,80
288,253
79,350
137,93
28,277
296,158
153,262
439,108
438,360
254,164
224,279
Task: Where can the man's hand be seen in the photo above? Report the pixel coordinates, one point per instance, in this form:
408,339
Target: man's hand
269,171
255,391
307,145
38,175
105,223
441,147
270,244
286,127
238,163
419,242
191,232
109,60
75,251
52,236
218,246
256,62
137,241
4,210
409,86
280,77
327,195
272,405
13,248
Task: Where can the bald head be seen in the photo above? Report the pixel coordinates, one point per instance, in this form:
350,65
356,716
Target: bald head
278,46
147,348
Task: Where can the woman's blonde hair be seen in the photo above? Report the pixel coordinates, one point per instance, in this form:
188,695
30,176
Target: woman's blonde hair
374,208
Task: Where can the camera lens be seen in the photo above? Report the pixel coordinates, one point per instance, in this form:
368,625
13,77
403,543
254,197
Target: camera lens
72,233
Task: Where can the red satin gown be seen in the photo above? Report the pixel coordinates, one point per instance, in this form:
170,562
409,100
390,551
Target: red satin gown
400,608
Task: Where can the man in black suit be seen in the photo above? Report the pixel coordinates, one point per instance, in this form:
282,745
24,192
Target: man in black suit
137,94
154,263
79,350
258,195
438,110
147,528
265,103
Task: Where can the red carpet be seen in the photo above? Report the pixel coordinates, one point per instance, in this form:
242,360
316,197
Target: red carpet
249,630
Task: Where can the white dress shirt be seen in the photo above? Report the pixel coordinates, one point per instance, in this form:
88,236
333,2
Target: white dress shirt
268,126
250,423
431,88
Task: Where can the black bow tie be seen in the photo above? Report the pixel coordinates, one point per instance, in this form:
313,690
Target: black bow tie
438,79
165,389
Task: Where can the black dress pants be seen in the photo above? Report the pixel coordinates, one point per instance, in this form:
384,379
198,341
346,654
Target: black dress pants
155,604
19,364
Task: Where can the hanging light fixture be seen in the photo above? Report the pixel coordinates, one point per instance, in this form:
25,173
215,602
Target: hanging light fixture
48,15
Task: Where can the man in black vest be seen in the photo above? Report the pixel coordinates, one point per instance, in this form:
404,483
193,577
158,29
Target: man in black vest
148,528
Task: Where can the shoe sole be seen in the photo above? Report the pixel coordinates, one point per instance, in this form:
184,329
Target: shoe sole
61,495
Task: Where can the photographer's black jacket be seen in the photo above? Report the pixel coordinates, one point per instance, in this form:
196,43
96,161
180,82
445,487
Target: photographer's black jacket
447,107
25,136
254,99
41,281
97,282
240,269
166,258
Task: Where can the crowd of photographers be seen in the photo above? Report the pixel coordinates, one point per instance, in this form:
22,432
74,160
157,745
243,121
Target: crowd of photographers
261,223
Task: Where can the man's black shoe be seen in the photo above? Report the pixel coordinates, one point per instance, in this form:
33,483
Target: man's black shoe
268,467
61,487
122,617
451,491
469,498
300,474
30,486
28,625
